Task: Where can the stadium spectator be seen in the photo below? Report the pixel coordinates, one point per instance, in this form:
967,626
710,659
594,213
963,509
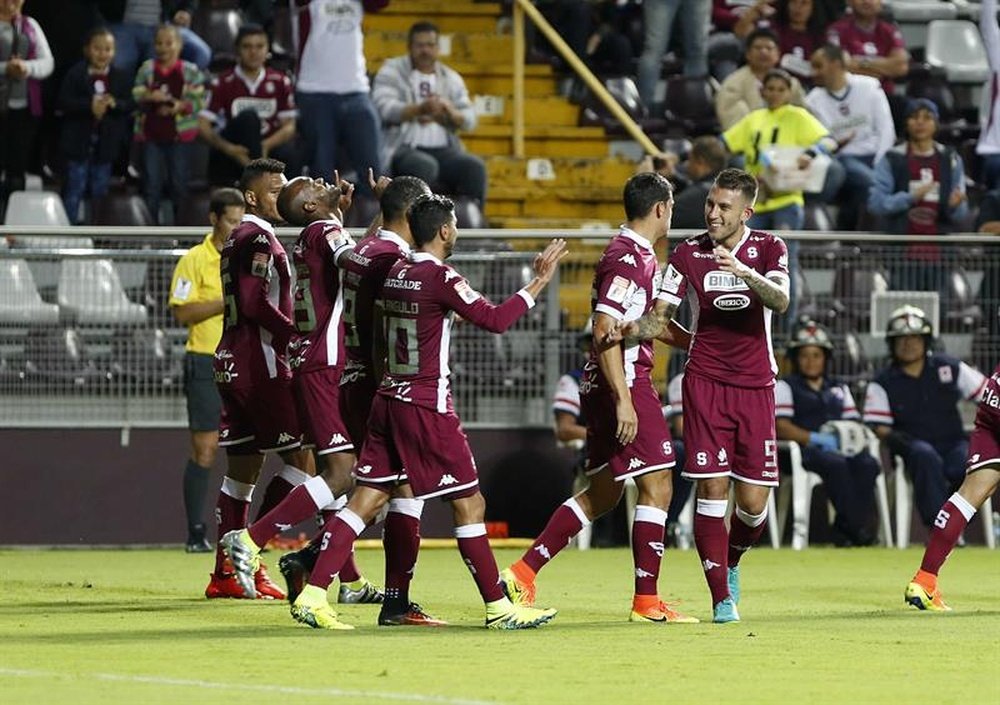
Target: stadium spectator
740,93
874,46
988,221
95,101
332,90
134,24
169,93
799,26
658,21
423,104
413,424
737,278
348,403
780,124
912,405
706,159
988,145
250,111
982,475
804,401
196,300
855,110
627,436
253,375
25,60
919,189
596,31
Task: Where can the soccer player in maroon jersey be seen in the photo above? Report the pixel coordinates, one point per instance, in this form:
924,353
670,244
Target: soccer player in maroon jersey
414,435
253,374
363,272
735,278
981,480
627,436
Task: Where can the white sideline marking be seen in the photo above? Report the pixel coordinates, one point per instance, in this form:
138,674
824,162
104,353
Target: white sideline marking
256,688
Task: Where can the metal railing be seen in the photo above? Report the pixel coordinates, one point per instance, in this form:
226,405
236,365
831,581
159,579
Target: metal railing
87,338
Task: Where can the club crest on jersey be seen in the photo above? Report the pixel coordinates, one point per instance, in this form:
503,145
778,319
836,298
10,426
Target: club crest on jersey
731,302
621,289
466,292
723,281
260,264
628,259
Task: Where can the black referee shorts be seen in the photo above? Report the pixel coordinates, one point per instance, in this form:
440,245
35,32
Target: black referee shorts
203,402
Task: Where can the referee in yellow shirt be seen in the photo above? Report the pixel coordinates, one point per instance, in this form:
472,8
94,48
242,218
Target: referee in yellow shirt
196,300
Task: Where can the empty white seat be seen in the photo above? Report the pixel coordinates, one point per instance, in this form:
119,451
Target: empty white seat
92,292
35,208
957,47
904,11
19,299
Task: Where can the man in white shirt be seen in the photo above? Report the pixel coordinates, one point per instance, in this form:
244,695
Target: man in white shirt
855,109
988,146
423,104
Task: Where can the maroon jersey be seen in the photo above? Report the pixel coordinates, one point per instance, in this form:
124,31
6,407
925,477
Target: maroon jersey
170,80
319,304
257,293
922,217
626,285
420,298
271,96
732,327
884,38
365,269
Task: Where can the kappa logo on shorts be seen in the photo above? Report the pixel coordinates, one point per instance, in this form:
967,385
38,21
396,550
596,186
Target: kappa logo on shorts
363,469
447,480
723,458
974,459
224,433
285,437
337,439
635,464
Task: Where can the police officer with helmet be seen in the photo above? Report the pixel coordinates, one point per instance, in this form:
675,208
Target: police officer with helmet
806,401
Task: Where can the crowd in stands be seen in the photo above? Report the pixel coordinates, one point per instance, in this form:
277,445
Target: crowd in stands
151,99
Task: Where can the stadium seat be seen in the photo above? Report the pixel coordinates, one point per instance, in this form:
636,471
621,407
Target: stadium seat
35,208
143,357
817,218
20,302
626,94
690,106
468,213
193,210
957,47
725,55
218,26
121,209
804,482
904,509
90,292
58,358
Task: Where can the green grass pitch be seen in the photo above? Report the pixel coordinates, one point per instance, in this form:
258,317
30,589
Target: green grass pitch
820,626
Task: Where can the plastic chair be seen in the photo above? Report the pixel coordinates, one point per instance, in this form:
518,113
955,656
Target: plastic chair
690,105
91,292
804,482
957,47
121,209
217,26
904,509
20,302
35,208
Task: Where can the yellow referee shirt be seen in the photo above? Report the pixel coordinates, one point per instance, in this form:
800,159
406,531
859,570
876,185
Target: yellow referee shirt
197,279
790,126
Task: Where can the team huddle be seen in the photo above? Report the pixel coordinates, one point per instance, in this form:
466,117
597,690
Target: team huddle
337,358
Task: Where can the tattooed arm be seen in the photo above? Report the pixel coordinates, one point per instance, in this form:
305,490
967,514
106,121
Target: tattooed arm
773,291
657,324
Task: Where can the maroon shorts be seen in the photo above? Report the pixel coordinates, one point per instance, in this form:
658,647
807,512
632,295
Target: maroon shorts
984,444
317,396
410,443
357,391
729,431
651,450
262,417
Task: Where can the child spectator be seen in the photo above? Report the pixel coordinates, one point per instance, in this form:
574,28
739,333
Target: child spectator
169,95
95,100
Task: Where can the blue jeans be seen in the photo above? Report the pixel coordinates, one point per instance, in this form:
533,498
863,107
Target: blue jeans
134,44
991,171
658,19
329,120
165,163
78,176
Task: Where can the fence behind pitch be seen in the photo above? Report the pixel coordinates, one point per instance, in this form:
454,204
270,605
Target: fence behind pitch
87,339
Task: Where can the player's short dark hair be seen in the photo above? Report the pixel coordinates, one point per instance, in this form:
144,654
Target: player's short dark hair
738,180
643,191
223,198
777,75
258,168
249,30
711,151
399,195
761,33
832,52
420,28
426,216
